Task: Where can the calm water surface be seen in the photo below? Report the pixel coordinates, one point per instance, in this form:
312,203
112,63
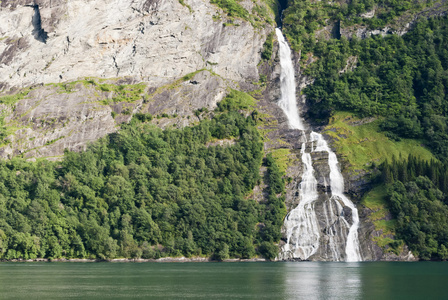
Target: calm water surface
305,280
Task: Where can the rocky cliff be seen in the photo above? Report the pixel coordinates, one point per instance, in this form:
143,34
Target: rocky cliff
53,46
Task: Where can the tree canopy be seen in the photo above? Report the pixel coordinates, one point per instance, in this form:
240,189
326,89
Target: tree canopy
144,192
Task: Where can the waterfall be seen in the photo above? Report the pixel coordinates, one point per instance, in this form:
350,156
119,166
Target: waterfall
288,84
301,223
304,233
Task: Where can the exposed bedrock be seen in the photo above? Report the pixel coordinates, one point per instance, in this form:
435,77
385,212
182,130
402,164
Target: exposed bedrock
152,40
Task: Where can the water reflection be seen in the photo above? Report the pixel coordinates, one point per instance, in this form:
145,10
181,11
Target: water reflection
323,280
304,280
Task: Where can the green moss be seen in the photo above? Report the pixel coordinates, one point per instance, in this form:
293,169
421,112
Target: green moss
7,130
266,124
375,200
365,144
260,15
389,244
178,82
266,54
232,8
236,100
189,76
65,87
182,2
13,99
281,157
54,141
383,242
121,92
9,100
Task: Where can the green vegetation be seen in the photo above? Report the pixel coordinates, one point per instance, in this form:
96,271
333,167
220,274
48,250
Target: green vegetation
364,145
409,168
178,82
143,117
189,76
120,92
182,2
384,100
416,193
54,141
375,200
144,192
399,78
274,210
385,11
422,217
13,99
303,18
9,100
232,8
281,157
236,100
258,17
266,54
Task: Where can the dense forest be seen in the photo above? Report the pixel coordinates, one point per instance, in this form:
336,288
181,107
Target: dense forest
418,197
305,20
402,79
144,192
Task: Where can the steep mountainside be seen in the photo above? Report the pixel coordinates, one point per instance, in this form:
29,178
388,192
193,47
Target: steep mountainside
182,57
75,71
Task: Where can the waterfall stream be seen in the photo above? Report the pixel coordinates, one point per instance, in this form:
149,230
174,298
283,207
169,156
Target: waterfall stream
306,235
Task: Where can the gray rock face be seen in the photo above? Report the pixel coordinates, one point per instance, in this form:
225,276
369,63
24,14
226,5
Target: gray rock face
50,121
154,41
50,118
182,100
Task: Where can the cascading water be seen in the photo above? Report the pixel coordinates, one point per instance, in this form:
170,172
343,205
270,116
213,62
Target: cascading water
288,84
304,232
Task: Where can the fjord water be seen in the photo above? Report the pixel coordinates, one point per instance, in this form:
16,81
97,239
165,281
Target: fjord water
303,234
281,280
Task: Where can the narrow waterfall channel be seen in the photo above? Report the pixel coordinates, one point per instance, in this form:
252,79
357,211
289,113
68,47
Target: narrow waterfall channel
306,235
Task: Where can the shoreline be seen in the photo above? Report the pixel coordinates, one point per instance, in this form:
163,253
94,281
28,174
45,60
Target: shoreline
136,260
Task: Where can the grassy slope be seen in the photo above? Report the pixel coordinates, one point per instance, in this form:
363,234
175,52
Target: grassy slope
361,146
263,12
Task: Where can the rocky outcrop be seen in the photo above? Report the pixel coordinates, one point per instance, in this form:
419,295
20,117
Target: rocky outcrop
50,122
183,54
400,26
151,40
